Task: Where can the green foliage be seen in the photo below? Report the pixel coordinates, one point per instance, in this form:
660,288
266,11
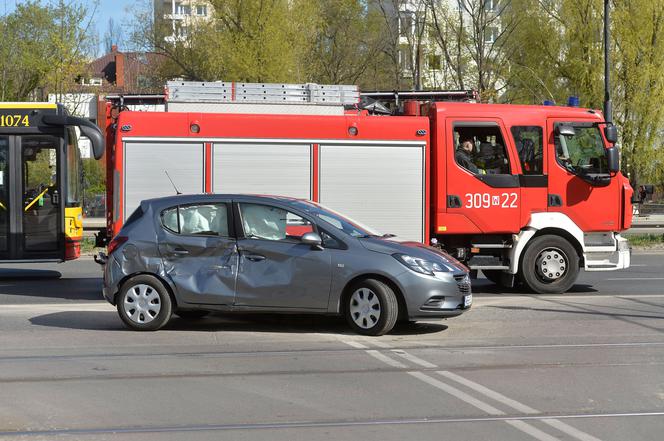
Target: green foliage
94,176
43,47
646,240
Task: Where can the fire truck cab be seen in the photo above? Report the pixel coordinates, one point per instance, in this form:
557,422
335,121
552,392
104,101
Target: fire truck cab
528,191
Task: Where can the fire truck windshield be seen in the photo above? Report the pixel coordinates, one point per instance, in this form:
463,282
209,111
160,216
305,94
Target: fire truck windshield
582,153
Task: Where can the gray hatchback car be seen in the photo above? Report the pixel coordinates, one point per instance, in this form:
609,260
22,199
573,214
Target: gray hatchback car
190,255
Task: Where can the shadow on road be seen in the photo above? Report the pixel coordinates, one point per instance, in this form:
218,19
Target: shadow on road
486,287
27,274
109,321
67,289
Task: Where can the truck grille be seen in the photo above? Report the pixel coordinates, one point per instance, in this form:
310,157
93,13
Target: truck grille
463,282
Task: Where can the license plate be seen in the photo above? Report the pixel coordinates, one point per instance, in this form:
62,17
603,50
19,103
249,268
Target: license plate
467,301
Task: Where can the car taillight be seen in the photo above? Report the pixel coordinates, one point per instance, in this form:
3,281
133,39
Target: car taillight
115,243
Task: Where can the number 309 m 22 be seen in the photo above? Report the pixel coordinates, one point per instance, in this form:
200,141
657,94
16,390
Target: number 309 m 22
486,200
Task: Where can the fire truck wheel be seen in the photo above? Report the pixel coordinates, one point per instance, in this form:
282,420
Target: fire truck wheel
192,315
144,303
371,307
549,265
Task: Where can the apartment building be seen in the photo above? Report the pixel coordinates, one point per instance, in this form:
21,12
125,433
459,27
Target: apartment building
181,15
420,53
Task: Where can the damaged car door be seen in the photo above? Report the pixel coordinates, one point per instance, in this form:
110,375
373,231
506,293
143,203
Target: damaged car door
199,252
276,269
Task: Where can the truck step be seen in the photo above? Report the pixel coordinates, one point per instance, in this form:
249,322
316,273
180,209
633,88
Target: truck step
489,267
487,262
491,245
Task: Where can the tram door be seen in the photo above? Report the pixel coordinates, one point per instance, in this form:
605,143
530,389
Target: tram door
31,206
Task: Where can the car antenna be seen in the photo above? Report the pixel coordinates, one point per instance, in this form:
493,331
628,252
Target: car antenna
172,183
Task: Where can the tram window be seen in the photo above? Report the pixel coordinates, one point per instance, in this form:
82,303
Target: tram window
4,193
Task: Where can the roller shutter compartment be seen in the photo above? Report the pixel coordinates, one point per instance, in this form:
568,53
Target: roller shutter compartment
145,164
261,168
381,186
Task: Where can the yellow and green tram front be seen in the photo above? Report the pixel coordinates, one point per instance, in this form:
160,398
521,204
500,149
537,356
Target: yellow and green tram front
41,217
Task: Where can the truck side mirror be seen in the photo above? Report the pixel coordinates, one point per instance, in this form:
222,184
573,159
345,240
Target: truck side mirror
611,133
613,159
565,130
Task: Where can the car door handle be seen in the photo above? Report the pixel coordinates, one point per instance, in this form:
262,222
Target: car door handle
180,251
254,257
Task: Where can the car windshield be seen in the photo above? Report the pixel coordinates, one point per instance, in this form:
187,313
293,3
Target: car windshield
338,221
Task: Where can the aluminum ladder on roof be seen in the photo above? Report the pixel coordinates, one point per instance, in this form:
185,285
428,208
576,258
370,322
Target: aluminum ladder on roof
231,97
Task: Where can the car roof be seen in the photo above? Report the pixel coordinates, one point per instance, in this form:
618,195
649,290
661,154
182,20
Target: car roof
212,197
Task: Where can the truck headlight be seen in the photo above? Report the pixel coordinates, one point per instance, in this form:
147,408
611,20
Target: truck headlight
420,265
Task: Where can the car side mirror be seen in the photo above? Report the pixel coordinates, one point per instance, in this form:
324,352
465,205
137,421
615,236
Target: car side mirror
613,159
611,133
312,239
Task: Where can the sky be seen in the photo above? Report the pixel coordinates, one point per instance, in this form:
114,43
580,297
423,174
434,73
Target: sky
115,9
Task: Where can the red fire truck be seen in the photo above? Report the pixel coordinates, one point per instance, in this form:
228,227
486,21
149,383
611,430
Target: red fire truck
527,194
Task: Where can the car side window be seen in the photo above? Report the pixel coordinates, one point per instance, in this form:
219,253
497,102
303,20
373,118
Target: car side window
480,149
528,142
203,219
272,223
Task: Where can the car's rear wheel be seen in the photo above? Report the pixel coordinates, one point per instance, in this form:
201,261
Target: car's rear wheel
144,303
371,307
192,315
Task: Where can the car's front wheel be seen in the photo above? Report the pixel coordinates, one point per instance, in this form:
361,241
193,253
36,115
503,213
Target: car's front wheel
371,307
144,303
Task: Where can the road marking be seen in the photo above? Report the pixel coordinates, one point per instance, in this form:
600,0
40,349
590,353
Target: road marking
414,359
354,344
531,430
385,359
571,431
489,393
459,394
640,279
520,407
520,425
481,405
89,306
379,344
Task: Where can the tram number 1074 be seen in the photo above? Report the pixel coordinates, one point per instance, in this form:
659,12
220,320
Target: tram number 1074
486,200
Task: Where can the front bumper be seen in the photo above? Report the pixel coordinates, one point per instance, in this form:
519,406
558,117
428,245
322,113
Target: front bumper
441,296
619,257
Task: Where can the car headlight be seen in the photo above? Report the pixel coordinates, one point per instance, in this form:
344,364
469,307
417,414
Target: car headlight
420,265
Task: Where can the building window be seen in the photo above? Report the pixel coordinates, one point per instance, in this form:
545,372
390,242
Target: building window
181,9
491,34
490,5
406,24
201,10
434,61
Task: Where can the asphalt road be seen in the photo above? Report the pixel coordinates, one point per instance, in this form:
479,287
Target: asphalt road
586,365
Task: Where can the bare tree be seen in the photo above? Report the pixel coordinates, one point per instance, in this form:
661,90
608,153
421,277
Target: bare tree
113,35
473,38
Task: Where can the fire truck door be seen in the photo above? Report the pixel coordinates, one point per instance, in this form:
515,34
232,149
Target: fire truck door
483,191
580,184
